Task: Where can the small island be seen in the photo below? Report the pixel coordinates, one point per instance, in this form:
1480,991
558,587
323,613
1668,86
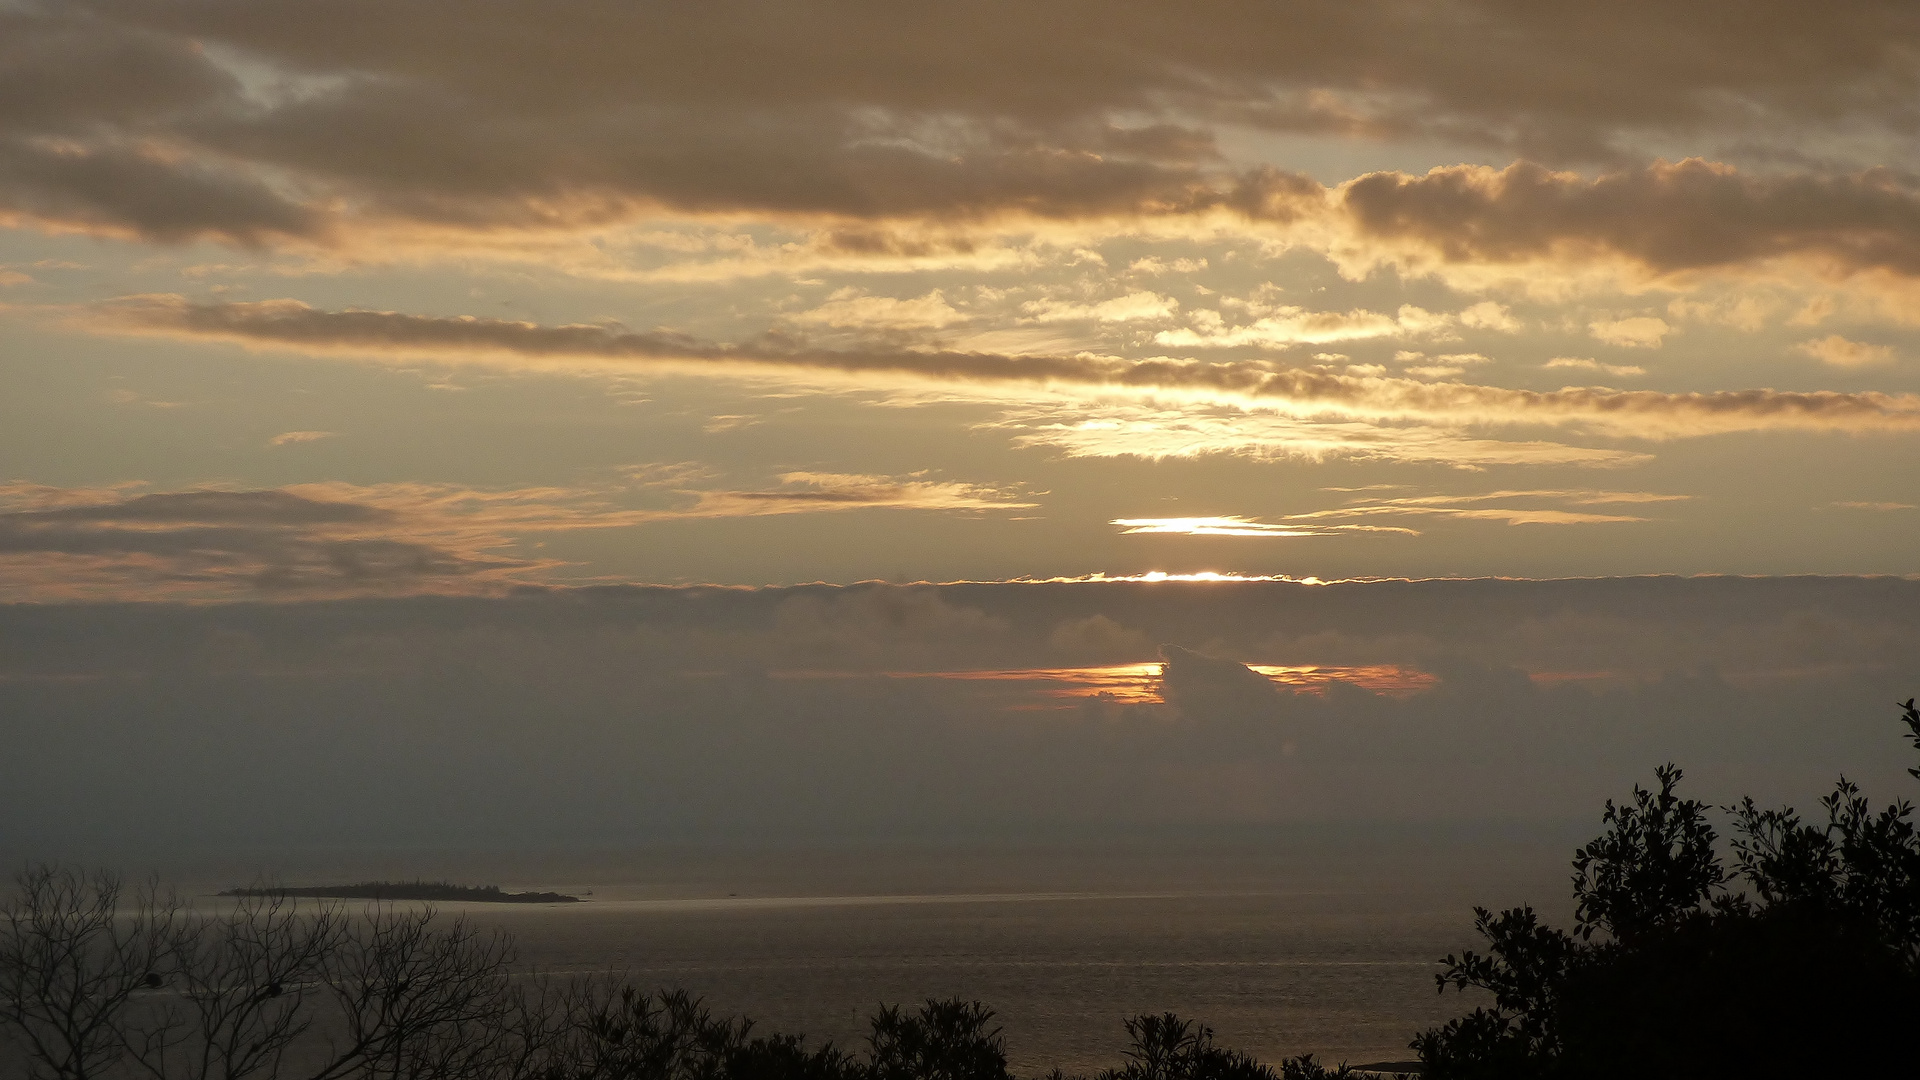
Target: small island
410,890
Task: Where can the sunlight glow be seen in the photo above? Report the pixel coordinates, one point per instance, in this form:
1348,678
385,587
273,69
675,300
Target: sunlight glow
1140,683
1209,526
1234,525
1102,577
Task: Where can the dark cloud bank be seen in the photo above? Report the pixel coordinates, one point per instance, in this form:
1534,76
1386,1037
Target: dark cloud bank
259,123
639,715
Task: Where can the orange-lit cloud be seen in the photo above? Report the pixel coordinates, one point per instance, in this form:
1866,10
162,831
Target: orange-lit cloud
1462,507
1133,307
1876,506
288,438
1634,332
1141,683
848,308
807,493
1618,371
1840,352
1465,507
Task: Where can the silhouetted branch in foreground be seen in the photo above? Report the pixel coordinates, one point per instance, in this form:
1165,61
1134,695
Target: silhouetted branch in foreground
99,983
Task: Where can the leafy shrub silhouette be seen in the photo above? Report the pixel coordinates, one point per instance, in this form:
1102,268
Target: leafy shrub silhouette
944,1040
1812,967
1165,1047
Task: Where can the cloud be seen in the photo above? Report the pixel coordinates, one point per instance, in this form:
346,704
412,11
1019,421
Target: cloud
1412,361
810,492
1448,506
1462,507
1155,432
440,126
848,309
1840,352
1289,326
1141,306
1876,506
286,438
337,539
1157,266
1742,312
1659,222
324,539
670,474
1488,315
1638,332
1618,371
467,339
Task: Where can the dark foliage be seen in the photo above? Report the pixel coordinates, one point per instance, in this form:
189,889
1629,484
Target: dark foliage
1803,959
944,1040
1166,1047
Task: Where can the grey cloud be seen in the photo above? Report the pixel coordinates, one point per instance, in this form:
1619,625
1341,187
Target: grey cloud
1666,217
1204,686
591,111
649,714
222,542
121,189
340,539
1557,72
66,67
223,507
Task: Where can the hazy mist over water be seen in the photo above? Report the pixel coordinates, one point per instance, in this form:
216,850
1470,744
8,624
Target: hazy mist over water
1319,941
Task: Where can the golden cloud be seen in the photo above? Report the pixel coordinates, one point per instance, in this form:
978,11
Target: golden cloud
1648,414
1840,352
1311,523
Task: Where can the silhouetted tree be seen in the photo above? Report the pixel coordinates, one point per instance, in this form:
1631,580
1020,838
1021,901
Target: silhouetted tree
1812,967
1165,1047
944,1040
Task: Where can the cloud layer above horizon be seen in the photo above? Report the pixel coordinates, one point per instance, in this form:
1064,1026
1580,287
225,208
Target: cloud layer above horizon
620,715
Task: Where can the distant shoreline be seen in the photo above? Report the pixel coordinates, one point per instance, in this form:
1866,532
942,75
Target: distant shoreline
408,890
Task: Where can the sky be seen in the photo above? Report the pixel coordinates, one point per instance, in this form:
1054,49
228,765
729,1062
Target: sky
351,306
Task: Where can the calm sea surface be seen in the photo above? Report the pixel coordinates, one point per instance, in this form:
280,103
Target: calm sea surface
1325,946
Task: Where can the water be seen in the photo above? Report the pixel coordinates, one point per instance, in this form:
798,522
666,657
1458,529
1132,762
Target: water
1323,945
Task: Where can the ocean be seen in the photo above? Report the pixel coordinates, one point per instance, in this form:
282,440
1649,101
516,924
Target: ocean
1320,942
